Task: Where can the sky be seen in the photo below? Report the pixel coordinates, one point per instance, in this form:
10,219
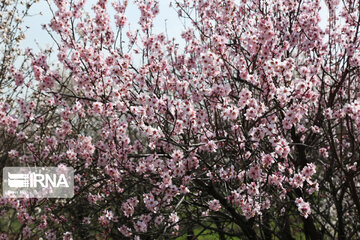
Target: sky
37,38
40,14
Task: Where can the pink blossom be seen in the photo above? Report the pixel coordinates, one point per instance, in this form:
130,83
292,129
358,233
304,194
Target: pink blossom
173,218
303,207
214,205
125,231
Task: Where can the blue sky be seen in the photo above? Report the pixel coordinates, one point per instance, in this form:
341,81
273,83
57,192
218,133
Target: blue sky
167,16
41,14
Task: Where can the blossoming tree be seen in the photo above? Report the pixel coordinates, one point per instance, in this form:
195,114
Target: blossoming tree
250,130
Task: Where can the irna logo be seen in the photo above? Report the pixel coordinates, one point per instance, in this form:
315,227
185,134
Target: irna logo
34,182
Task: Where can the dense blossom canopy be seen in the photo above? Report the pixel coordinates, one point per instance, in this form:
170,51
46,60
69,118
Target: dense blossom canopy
249,129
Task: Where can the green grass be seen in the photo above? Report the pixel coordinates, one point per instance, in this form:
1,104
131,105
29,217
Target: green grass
206,235
9,223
